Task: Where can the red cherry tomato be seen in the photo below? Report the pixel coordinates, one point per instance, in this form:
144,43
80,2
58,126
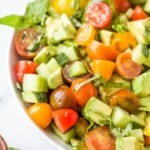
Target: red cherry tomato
24,66
99,14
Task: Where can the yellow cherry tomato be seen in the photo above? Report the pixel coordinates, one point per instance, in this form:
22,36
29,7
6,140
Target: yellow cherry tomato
41,114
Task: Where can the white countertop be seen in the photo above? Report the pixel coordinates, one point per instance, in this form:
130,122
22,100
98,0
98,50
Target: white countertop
13,127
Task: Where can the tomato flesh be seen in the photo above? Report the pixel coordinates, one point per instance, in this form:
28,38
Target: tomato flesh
99,15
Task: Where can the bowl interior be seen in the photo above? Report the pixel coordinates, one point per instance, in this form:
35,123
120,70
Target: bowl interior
45,134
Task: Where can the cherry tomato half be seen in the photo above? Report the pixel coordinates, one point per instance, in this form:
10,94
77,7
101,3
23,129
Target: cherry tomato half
100,139
99,14
23,39
126,67
24,66
41,114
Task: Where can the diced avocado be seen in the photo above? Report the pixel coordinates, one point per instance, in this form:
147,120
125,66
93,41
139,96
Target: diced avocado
141,114
105,36
141,85
138,133
138,55
97,111
137,121
34,83
43,56
147,148
69,51
67,136
120,118
137,2
42,70
138,29
145,101
59,28
77,69
52,65
147,6
34,97
146,130
55,79
128,143
78,145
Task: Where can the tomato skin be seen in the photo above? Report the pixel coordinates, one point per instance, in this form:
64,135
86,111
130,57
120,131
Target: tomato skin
23,38
84,93
100,139
126,67
147,140
24,66
64,119
99,14
122,5
97,50
85,34
125,99
138,14
41,114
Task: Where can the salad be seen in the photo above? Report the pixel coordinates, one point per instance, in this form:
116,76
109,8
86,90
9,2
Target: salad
84,70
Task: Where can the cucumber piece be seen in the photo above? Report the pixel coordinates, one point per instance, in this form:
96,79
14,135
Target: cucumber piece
78,145
69,51
137,122
67,136
52,65
105,36
145,101
138,133
77,69
97,111
55,79
34,97
43,56
147,6
141,85
120,118
34,83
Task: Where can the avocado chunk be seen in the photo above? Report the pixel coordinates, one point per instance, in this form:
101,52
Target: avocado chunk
55,79
141,85
59,29
138,133
97,111
67,136
128,143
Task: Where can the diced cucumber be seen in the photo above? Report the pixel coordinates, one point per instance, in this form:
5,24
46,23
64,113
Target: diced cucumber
43,70
147,6
43,56
97,111
67,136
59,28
105,36
138,133
55,79
78,145
34,97
69,51
145,101
77,69
141,85
120,118
34,83
137,121
52,65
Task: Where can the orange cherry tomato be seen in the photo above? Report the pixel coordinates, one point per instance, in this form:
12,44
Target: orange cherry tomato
100,139
123,40
85,34
97,50
147,140
23,39
138,14
103,67
41,114
84,93
125,99
126,67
